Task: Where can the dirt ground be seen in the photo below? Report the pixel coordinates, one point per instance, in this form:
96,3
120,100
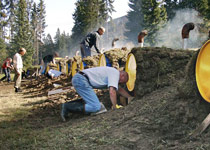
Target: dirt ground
31,120
159,118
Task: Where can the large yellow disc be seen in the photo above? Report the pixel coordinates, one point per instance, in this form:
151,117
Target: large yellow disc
47,69
74,68
102,60
67,68
130,68
58,58
203,71
58,67
81,66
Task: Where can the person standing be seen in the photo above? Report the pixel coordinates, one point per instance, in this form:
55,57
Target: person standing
6,69
91,40
18,67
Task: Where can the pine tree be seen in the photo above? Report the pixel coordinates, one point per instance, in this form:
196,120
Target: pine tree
154,18
135,19
89,15
57,40
41,25
34,26
22,36
3,51
63,51
208,11
203,7
171,7
48,47
3,17
11,10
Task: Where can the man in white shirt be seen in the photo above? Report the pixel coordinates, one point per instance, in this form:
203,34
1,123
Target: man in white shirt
95,78
18,67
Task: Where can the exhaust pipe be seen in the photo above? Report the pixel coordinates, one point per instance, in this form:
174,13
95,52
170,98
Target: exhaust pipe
185,33
141,36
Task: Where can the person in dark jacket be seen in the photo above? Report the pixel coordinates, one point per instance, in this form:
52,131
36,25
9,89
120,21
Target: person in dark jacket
46,60
91,40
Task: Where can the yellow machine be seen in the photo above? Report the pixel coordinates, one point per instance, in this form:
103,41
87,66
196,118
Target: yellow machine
130,68
102,60
81,66
74,68
203,71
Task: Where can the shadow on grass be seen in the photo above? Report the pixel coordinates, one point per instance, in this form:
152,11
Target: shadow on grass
23,128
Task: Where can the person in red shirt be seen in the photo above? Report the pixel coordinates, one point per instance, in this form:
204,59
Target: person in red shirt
6,69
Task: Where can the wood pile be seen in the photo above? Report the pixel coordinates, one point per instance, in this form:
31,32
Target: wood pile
117,57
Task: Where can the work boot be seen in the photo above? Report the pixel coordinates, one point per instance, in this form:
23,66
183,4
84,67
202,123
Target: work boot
102,110
18,90
63,113
76,106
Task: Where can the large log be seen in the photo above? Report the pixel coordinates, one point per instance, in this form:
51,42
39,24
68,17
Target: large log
158,67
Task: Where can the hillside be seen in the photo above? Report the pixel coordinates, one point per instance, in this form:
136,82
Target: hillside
166,110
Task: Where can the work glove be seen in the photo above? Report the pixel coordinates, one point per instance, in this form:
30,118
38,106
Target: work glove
117,106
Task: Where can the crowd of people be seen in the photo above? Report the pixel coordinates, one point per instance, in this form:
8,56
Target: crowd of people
84,81
15,64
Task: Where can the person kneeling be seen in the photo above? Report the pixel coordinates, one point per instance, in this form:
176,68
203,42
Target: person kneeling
95,78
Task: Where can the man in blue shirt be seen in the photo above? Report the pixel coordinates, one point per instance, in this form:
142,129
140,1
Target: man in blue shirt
91,40
95,78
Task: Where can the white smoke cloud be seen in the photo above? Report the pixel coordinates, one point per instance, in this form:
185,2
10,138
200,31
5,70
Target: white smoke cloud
170,35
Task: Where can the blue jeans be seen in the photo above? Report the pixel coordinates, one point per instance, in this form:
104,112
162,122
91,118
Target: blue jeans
86,49
85,90
7,74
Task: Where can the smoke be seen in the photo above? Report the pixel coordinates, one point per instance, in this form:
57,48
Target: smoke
170,35
115,29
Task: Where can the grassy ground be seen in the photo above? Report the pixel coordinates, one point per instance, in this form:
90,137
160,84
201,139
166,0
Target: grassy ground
26,125
12,75
31,120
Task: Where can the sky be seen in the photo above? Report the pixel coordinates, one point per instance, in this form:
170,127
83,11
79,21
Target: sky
59,14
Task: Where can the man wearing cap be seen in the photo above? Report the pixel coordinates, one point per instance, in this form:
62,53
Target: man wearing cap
95,78
91,40
18,67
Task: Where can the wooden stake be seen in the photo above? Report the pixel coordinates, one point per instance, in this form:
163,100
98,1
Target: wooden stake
202,127
59,90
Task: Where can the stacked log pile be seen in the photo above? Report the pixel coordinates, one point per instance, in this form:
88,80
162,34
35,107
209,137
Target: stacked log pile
62,63
91,61
53,66
117,57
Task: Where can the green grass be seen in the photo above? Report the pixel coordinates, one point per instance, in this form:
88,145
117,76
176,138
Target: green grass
11,75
